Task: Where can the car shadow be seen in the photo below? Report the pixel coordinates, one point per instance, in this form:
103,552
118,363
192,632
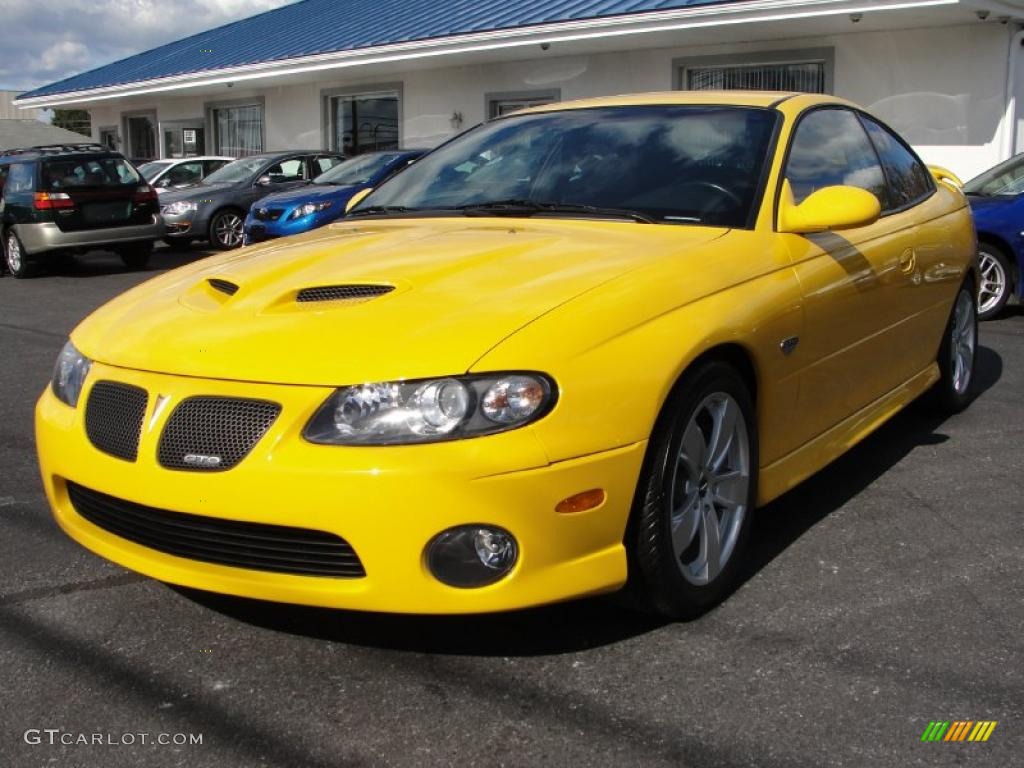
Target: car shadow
596,622
104,263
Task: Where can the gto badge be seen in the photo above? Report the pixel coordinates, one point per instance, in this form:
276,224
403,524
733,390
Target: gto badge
198,460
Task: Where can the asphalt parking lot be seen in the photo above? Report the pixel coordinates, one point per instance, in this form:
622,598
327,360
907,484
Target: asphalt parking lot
883,594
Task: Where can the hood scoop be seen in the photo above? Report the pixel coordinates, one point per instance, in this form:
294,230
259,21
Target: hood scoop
349,293
224,286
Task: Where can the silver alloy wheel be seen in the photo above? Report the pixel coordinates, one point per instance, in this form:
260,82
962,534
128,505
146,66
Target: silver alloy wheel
13,253
710,488
963,339
229,230
993,282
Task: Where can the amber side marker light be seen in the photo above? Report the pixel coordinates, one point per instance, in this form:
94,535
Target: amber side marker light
581,502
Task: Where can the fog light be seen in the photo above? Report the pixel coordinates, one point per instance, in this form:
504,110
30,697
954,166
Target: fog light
472,555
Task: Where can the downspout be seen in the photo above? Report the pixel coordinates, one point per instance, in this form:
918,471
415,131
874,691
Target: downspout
1009,143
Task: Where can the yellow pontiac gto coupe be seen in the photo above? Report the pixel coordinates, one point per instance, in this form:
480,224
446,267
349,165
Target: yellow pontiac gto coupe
570,350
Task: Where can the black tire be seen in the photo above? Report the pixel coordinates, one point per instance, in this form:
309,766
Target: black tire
950,393
178,243
16,261
997,280
220,223
656,580
136,256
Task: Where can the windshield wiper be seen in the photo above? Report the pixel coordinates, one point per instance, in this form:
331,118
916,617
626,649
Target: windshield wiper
379,209
513,207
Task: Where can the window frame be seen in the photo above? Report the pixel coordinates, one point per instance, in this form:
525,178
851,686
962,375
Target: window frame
328,95
857,112
210,109
545,95
826,56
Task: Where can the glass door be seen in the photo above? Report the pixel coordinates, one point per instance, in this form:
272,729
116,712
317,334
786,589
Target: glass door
364,122
184,139
141,132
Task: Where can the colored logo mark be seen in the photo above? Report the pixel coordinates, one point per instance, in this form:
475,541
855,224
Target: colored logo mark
959,730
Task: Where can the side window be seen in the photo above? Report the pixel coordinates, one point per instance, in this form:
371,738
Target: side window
289,170
3,177
21,179
830,148
909,180
213,165
186,173
323,164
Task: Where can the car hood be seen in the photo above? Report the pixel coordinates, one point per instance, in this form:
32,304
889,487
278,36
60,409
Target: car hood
307,194
195,191
459,287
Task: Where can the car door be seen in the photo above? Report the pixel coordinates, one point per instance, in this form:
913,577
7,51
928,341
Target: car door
851,280
930,285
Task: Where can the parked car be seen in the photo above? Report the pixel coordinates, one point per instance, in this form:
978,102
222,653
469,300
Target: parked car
215,208
306,208
997,199
568,351
72,198
165,175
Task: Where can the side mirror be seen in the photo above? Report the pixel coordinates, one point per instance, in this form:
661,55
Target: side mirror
263,181
829,208
357,198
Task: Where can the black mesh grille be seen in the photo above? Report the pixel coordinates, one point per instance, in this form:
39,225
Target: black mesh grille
224,286
113,418
261,547
214,433
343,292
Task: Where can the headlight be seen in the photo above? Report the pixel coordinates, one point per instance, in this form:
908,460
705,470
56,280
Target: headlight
430,410
309,209
69,374
179,207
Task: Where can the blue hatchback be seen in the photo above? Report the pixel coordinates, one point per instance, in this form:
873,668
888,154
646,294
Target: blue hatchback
997,200
324,199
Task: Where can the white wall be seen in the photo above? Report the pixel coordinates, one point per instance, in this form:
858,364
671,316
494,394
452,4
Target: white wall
942,88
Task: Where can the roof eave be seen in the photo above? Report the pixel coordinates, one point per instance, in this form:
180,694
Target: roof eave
749,11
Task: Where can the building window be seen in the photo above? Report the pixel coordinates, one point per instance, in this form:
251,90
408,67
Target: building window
364,122
807,71
141,132
499,104
238,131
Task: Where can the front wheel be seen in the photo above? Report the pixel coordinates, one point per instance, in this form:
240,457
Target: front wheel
995,281
696,495
226,230
957,354
15,257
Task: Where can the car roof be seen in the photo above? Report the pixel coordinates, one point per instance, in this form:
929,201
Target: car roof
24,154
760,99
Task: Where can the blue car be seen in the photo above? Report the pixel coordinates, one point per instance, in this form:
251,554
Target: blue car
997,200
324,199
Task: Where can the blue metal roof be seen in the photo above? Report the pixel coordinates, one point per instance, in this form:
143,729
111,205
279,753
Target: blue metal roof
313,27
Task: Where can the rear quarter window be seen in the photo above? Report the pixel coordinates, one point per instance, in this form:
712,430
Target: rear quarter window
21,178
909,181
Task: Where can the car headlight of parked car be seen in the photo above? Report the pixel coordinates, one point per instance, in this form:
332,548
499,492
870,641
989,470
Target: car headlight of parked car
180,207
69,374
430,410
308,209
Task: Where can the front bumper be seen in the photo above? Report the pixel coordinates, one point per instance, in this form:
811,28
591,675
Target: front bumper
185,225
43,237
387,502
258,230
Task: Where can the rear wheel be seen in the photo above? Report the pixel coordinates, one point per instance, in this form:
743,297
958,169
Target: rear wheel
226,230
695,496
957,354
996,284
136,256
15,257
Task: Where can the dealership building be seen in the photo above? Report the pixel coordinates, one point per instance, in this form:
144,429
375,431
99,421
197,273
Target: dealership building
360,75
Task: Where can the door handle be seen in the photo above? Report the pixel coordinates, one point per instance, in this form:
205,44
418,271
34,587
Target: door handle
908,261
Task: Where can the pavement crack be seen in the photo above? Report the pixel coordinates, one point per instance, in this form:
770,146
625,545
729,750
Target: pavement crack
43,593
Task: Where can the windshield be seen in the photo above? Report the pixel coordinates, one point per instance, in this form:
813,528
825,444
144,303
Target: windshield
1005,179
150,171
239,170
358,170
88,172
672,164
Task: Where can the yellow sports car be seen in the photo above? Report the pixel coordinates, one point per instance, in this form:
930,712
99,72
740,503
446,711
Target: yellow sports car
566,353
